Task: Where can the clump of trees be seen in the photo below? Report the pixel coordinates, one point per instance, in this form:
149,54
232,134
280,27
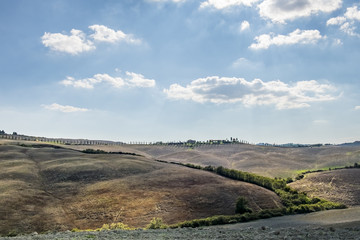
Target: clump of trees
242,206
93,151
194,143
98,151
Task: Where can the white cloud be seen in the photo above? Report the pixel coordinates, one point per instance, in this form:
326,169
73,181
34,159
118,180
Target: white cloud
78,41
117,82
252,93
65,109
347,22
349,29
353,13
357,108
105,34
138,80
131,80
222,4
74,44
282,10
298,36
82,83
244,25
336,21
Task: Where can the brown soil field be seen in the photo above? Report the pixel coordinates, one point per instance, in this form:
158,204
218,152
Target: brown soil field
262,160
46,188
341,186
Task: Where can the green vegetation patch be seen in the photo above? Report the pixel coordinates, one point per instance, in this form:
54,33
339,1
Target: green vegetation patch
98,151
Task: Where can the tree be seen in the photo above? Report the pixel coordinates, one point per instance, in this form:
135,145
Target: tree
241,206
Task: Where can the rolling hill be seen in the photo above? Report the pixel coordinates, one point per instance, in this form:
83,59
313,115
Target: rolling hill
341,186
262,160
46,188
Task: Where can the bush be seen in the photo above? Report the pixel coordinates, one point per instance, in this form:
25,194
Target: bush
12,233
156,223
241,206
116,226
92,151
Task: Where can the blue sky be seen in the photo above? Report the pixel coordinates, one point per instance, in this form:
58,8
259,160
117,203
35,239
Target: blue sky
272,71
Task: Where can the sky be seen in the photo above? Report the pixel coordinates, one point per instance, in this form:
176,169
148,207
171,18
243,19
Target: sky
275,71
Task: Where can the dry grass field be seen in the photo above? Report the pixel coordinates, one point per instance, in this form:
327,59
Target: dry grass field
263,160
341,186
50,188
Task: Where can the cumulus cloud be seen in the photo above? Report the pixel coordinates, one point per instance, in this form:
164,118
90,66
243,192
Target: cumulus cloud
244,25
223,4
252,93
74,44
105,34
336,21
79,42
298,36
357,108
138,80
282,10
131,80
82,83
65,109
353,13
346,23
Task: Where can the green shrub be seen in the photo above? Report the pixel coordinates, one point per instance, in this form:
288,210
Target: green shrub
156,223
242,206
12,233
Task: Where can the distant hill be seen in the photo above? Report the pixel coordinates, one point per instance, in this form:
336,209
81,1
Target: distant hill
264,160
356,143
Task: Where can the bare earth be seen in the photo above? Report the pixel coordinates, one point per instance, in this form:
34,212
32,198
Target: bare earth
341,186
45,189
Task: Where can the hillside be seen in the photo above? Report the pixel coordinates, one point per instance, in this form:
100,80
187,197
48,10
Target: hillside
338,186
262,160
53,188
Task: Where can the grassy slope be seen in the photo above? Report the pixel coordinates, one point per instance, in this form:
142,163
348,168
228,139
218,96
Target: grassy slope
57,189
341,186
266,161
